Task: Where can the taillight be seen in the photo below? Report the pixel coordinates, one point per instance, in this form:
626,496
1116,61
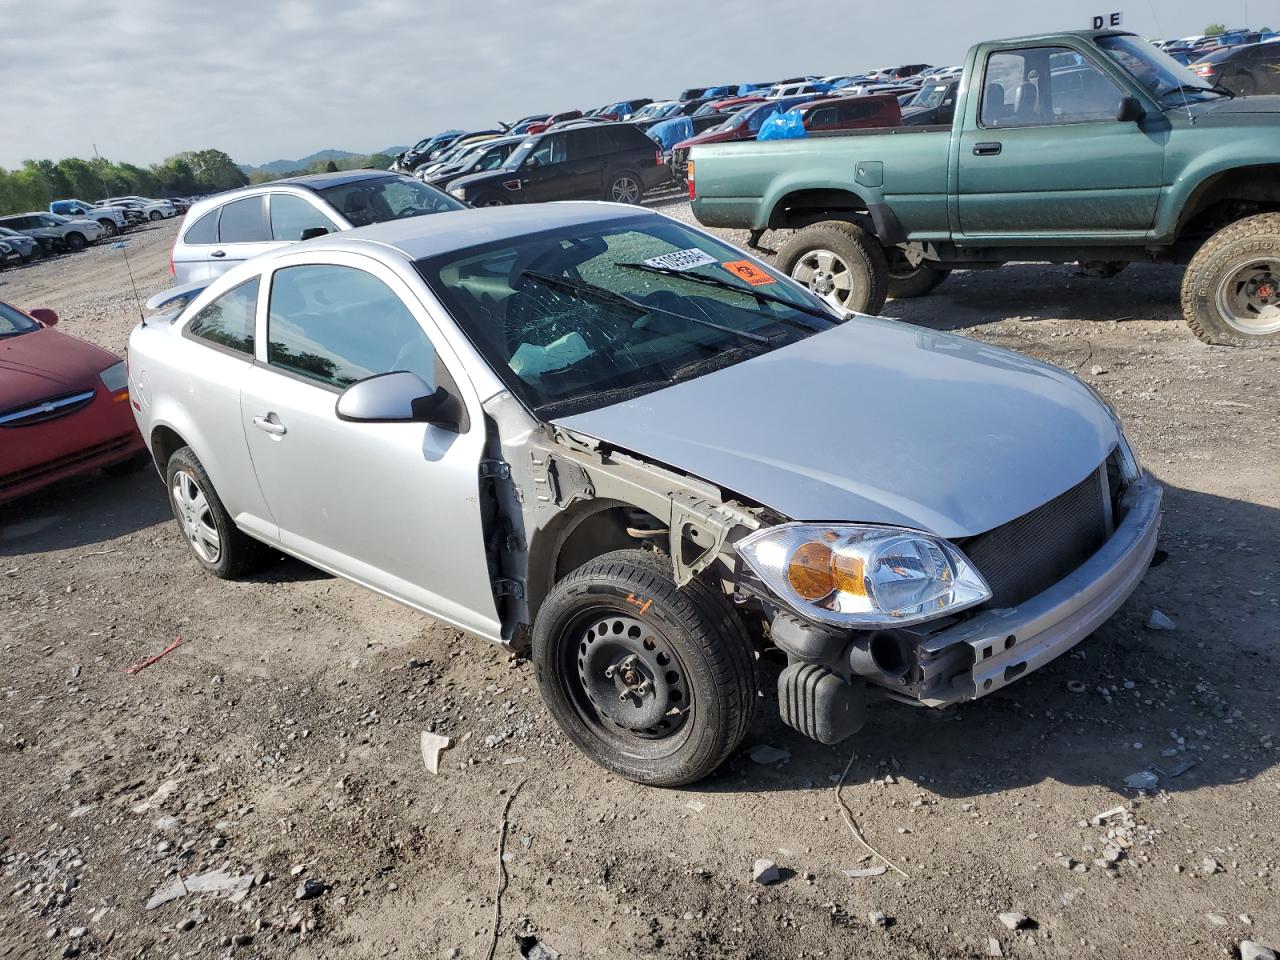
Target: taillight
1204,70
659,159
693,192
173,271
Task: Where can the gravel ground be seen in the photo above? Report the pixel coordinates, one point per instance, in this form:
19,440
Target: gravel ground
275,753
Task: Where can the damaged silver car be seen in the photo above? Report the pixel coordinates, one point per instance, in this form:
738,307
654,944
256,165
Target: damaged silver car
617,442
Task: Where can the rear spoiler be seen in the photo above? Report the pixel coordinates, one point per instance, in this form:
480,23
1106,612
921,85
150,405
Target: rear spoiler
176,297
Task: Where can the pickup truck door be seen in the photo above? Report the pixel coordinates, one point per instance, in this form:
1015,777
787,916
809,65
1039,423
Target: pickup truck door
1041,153
395,506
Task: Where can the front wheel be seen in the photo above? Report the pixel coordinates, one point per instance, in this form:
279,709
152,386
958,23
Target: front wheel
491,200
652,681
1231,290
907,281
155,215
75,242
841,263
110,227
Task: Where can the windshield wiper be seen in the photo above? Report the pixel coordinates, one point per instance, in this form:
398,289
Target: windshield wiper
760,295
1192,88
589,291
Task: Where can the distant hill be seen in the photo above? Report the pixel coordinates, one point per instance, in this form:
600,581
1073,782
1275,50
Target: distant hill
322,156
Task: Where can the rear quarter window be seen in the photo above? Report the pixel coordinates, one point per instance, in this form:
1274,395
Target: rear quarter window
230,321
203,231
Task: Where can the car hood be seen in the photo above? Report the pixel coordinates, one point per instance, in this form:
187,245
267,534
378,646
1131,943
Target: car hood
45,363
1227,109
875,421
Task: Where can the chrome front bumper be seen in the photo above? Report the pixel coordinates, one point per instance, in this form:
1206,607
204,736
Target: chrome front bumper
1003,645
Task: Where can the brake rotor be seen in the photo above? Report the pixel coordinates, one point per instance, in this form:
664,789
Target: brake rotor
631,676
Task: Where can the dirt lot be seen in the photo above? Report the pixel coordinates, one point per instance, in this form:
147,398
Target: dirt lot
280,740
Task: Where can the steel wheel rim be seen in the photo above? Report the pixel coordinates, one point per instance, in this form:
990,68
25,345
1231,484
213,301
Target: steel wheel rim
1248,299
827,275
625,190
642,713
195,517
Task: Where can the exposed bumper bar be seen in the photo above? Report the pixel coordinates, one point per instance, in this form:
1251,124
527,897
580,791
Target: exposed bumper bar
1008,644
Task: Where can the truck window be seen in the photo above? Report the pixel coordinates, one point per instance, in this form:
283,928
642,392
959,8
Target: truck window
1043,86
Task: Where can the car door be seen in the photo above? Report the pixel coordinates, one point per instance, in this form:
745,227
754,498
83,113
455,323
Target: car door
545,174
1042,153
394,506
243,232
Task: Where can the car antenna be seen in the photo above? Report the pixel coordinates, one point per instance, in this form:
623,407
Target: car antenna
123,248
1160,29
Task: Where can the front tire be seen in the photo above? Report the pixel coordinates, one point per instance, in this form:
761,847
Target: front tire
491,200
110,227
907,282
841,263
215,541
654,682
155,215
1231,290
75,242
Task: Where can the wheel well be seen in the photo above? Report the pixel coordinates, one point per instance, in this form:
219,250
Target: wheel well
164,441
1228,196
805,207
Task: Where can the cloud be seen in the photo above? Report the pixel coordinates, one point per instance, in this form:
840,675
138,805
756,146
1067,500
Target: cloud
143,79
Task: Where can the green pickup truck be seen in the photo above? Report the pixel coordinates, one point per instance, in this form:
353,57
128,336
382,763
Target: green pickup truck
1085,146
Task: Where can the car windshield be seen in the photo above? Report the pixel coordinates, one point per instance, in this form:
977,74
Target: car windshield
579,318
364,202
1154,69
14,322
930,95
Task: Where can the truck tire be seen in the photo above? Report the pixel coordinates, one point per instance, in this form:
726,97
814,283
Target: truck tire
652,681
1231,290
216,543
110,227
906,281
839,262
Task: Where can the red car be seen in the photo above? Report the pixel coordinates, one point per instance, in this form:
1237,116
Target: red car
541,126
64,405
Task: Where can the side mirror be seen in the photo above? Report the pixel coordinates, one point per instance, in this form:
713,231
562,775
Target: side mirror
1129,110
312,232
533,163
44,316
400,397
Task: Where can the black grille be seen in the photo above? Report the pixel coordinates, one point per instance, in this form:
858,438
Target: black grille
1028,555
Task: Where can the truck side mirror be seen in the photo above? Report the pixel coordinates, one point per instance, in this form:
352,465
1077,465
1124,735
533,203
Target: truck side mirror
1129,110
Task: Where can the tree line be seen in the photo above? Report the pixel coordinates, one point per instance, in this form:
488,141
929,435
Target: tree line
37,183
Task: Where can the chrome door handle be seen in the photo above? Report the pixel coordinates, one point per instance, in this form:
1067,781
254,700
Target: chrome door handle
267,425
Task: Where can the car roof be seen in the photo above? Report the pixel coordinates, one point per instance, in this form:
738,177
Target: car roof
320,181
419,237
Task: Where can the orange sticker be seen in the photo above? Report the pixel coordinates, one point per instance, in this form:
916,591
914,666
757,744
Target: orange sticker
746,270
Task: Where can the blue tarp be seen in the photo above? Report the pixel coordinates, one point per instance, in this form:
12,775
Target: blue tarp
670,132
782,126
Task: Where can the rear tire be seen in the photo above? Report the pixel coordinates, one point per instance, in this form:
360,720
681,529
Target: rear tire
840,262
75,242
215,541
625,186
1244,85
1231,289
686,643
906,281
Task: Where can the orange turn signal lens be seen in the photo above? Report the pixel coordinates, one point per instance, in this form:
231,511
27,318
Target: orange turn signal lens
809,571
848,574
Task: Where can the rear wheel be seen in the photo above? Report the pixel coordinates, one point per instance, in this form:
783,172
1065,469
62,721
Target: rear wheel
625,187
840,262
215,541
1244,85
75,242
1231,290
652,681
907,281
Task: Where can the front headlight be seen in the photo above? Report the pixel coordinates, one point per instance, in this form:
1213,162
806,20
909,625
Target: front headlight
116,377
856,575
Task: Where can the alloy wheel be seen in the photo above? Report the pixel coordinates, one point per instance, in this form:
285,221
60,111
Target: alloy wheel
625,190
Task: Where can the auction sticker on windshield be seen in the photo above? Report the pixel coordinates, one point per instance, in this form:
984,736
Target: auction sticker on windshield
681,260
746,270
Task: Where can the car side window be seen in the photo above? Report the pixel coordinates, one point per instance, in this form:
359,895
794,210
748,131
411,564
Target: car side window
550,150
291,215
244,221
337,325
230,320
584,143
1044,86
203,231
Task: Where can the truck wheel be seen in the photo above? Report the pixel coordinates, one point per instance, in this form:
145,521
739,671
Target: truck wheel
654,682
110,227
1231,290
215,541
906,281
839,262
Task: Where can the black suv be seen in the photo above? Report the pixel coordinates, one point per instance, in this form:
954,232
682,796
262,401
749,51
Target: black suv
610,161
1245,71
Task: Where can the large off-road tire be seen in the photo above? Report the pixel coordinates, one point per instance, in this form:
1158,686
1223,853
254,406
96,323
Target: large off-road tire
840,262
906,281
216,542
1231,290
75,242
654,682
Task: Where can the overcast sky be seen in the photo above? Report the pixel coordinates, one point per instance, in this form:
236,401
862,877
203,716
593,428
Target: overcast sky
272,79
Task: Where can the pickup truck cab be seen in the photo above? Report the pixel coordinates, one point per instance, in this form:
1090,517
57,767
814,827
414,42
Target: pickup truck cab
112,219
1091,146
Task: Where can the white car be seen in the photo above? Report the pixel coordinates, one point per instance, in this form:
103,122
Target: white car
151,209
